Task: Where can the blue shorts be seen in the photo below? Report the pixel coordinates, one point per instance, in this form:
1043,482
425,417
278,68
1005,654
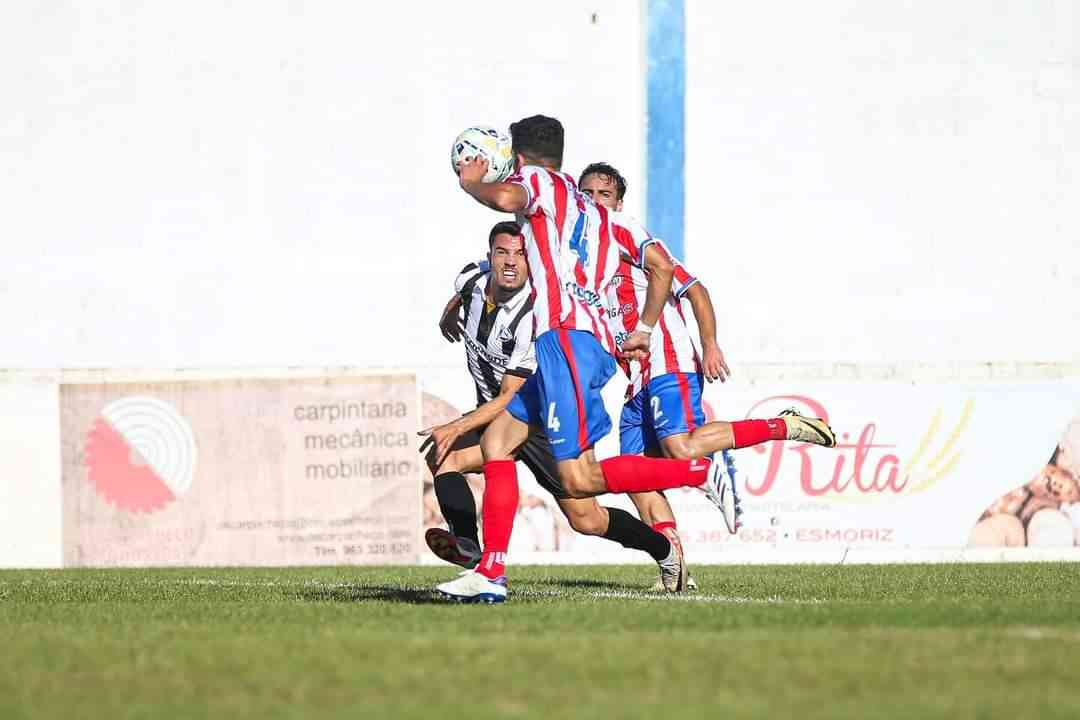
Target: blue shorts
563,395
669,405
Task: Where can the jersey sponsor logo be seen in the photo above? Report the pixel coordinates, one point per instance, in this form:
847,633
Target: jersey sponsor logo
620,337
624,309
505,335
591,298
486,354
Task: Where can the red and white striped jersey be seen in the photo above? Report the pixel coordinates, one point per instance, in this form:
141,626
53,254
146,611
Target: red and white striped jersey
671,345
573,253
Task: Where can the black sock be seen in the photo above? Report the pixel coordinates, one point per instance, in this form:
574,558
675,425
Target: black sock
457,504
630,532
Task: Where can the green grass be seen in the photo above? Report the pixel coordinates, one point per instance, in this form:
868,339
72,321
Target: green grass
953,641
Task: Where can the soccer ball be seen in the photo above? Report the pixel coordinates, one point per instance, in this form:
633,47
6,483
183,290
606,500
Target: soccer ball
489,142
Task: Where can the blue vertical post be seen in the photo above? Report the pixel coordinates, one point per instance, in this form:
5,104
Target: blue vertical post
665,121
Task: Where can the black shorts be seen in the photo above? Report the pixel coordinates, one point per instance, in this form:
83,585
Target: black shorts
537,456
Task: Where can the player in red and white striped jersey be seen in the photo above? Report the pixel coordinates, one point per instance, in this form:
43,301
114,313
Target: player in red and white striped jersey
573,247
658,415
672,347
663,410
573,255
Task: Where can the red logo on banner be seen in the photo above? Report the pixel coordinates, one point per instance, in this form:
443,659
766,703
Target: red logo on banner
140,454
860,464
872,467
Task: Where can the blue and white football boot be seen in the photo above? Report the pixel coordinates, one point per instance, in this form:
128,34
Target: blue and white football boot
472,587
718,488
729,465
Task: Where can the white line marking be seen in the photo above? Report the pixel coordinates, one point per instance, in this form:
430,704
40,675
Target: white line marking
699,597
1043,633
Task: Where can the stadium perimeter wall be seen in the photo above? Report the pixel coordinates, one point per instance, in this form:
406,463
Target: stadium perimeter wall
881,186
302,467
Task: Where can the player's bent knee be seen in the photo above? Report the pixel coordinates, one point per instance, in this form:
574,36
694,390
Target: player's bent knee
494,448
450,464
576,488
502,438
589,523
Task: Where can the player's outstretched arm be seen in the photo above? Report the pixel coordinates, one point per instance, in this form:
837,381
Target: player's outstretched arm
501,196
444,436
660,271
450,320
713,363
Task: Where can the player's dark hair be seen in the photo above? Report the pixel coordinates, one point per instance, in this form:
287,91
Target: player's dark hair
601,168
509,227
539,138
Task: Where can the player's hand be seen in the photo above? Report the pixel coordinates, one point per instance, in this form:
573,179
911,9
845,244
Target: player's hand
450,322
713,363
440,440
472,170
636,347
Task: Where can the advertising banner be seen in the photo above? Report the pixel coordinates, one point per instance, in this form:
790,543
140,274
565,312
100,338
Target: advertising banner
918,466
241,472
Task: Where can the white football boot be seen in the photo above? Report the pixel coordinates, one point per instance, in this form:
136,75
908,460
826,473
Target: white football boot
729,463
472,587
718,489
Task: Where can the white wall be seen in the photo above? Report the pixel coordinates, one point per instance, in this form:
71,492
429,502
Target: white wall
882,181
268,182
30,489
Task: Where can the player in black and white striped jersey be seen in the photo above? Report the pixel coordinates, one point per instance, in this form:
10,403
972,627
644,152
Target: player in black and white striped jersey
497,325
497,328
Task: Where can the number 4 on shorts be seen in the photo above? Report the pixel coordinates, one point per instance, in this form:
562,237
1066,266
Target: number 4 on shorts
553,422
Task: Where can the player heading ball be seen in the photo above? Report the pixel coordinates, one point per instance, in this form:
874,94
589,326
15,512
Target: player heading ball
573,248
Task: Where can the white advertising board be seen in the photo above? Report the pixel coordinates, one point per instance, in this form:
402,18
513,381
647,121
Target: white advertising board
927,467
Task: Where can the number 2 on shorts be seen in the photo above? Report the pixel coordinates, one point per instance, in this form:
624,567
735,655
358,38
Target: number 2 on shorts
657,413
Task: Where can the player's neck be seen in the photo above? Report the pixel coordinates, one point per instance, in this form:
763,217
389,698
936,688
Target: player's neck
496,295
546,164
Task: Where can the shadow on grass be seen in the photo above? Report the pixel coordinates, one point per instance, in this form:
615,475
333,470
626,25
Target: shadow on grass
522,592
372,593
589,584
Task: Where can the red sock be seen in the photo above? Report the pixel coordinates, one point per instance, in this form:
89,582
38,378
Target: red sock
753,432
660,527
497,512
631,473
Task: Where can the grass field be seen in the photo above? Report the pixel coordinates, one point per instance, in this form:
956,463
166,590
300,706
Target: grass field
812,641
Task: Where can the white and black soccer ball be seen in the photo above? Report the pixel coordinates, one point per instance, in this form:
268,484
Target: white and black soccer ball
489,142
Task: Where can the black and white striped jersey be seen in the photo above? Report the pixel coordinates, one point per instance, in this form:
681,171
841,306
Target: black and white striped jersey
498,338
